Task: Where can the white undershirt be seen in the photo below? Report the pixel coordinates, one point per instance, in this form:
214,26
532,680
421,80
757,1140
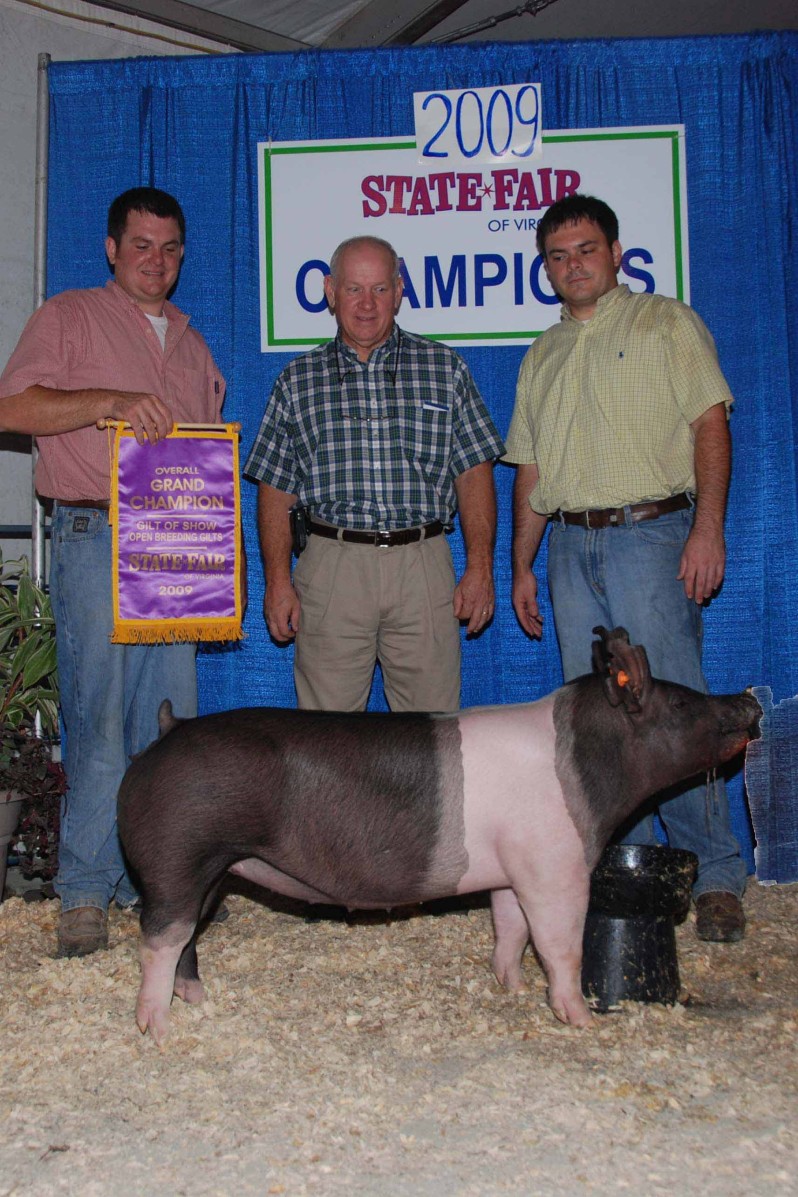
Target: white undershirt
160,324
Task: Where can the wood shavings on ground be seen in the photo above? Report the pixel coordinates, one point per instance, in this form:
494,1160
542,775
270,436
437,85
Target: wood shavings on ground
379,1056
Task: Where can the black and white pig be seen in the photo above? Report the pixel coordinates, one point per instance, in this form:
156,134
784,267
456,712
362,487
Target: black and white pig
375,810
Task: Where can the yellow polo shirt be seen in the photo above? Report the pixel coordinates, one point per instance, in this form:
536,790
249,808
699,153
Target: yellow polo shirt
603,407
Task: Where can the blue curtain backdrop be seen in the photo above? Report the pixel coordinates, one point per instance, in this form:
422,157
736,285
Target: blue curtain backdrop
191,125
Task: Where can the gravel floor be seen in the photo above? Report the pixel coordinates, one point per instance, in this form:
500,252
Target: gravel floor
378,1056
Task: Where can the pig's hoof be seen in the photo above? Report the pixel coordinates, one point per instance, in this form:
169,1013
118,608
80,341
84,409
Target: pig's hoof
190,990
513,983
509,975
574,1013
153,1019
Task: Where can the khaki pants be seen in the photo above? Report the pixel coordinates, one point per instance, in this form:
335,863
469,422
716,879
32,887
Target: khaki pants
361,604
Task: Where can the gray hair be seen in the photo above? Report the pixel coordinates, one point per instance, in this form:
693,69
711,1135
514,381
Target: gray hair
364,242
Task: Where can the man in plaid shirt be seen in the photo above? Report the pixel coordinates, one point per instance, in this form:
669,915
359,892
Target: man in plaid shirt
380,435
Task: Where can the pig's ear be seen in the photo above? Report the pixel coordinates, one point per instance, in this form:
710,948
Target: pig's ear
602,665
621,689
167,720
629,671
626,666
602,648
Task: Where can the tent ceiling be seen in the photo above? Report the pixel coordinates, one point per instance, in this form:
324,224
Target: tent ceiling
301,24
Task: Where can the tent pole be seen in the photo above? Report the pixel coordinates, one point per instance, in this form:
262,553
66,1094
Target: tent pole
40,284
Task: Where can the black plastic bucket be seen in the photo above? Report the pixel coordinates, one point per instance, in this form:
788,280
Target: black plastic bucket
629,949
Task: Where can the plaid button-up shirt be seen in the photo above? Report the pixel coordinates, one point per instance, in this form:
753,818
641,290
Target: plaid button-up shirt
376,444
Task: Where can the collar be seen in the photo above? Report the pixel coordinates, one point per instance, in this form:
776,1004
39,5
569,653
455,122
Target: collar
386,355
120,296
347,356
604,302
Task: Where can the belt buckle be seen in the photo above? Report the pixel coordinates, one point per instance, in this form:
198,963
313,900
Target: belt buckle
382,539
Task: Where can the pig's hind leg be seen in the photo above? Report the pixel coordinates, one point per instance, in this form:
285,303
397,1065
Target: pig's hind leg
160,954
187,979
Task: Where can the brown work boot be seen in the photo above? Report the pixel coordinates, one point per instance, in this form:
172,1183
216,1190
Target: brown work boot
719,917
82,930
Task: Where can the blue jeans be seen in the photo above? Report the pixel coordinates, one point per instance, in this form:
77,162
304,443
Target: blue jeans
626,576
110,694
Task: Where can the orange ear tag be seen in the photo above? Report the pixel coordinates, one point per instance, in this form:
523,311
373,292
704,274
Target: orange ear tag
622,678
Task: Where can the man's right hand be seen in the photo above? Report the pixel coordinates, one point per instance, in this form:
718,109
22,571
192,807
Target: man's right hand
148,416
525,604
281,608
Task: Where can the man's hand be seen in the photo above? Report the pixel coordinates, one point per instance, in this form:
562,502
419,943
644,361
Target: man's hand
148,416
474,598
281,608
702,564
525,604
281,604
528,530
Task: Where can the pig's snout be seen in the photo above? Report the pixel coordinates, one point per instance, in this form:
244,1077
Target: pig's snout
740,724
747,712
756,714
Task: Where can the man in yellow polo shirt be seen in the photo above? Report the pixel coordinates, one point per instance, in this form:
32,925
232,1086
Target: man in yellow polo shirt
620,435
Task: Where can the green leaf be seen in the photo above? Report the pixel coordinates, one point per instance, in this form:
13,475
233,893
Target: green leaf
28,668
21,657
48,708
40,664
26,597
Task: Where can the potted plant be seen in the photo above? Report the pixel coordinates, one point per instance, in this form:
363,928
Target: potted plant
28,698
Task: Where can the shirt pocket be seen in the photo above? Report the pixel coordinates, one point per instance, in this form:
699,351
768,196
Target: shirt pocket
425,433
195,397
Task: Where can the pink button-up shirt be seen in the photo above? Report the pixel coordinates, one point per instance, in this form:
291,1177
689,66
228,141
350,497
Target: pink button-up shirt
100,338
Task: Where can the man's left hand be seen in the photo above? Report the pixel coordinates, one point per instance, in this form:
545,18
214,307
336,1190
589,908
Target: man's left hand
702,564
474,598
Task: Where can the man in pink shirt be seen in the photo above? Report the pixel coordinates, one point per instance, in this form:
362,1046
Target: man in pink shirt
119,352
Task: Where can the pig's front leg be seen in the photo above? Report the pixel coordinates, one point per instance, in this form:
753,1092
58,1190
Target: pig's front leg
557,922
159,959
512,935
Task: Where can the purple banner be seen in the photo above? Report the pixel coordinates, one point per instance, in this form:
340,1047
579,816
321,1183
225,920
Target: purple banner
176,531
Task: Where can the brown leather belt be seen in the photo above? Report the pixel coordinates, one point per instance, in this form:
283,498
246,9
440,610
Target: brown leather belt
608,517
92,504
380,540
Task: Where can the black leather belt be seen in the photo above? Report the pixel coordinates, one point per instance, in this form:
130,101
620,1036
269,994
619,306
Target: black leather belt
93,504
380,540
608,517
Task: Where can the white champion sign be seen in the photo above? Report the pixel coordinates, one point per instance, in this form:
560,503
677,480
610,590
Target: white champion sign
465,234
